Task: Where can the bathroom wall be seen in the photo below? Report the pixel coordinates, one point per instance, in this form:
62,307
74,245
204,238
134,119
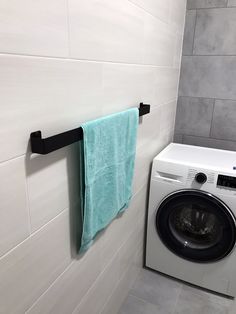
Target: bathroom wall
63,62
206,112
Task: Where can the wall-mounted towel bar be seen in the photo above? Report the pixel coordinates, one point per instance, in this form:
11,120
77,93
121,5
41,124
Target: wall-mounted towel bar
47,145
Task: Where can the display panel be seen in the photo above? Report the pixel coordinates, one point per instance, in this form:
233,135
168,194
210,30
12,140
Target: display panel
226,181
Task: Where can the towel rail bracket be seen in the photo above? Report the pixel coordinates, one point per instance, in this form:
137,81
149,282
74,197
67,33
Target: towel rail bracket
47,145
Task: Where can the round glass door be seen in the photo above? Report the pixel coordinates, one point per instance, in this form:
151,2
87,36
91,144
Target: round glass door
196,225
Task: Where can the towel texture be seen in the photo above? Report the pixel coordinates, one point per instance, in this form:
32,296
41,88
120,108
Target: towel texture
107,167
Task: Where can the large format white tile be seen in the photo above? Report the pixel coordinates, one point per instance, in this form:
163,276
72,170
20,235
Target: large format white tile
149,126
14,214
177,16
159,42
28,270
101,290
52,184
125,86
67,291
119,230
133,244
106,30
158,8
45,94
37,28
167,80
168,112
123,286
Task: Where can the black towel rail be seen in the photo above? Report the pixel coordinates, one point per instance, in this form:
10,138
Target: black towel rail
47,145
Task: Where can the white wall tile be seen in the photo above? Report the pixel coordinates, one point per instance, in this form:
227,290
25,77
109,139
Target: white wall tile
158,8
118,231
106,30
45,94
131,54
130,247
168,112
67,291
159,42
28,270
149,124
177,16
167,80
144,157
52,184
125,86
123,286
14,212
37,28
96,297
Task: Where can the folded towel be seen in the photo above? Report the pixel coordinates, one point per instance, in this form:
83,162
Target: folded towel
107,167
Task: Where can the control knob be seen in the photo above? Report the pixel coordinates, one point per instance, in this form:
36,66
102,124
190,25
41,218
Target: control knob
201,177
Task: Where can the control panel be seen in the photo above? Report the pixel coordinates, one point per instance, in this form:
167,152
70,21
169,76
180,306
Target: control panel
226,181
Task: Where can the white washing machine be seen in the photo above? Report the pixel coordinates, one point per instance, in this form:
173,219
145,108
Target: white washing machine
191,228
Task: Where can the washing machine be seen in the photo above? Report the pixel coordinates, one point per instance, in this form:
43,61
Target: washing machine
191,227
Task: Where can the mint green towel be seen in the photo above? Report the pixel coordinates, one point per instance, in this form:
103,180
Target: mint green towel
107,168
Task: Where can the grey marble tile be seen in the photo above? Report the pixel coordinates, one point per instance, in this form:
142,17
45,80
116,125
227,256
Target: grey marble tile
209,77
189,32
209,142
224,120
157,290
198,4
232,3
214,32
133,305
194,301
193,116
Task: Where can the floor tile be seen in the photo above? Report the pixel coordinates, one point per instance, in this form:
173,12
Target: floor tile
157,290
195,301
133,305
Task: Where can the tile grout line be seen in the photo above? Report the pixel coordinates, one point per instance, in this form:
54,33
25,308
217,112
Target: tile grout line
194,31
32,234
147,12
210,138
95,281
12,158
210,8
213,110
214,98
44,292
73,59
202,55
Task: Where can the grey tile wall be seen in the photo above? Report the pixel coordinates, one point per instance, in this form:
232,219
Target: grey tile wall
189,32
194,115
231,3
198,4
206,111
215,32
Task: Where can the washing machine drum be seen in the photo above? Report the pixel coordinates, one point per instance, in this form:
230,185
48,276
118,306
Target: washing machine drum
196,226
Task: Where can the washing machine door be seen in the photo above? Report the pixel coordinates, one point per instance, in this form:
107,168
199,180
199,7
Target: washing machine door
196,226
